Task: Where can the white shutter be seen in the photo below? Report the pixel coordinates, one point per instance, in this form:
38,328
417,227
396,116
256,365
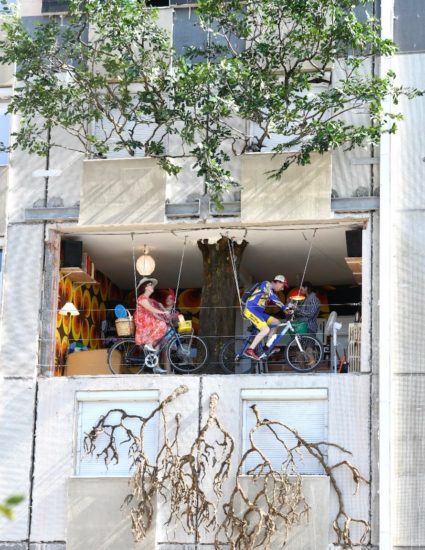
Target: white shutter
307,416
141,133
89,414
4,133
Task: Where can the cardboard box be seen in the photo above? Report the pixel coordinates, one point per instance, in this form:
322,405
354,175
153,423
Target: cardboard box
90,362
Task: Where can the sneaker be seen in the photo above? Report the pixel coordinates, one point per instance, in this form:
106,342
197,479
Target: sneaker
251,354
159,370
149,349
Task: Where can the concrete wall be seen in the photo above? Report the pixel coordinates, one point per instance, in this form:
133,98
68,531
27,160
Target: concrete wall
302,193
56,433
406,340
122,191
17,397
3,196
6,71
26,191
22,288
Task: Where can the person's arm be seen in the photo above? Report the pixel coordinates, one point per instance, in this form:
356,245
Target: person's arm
144,302
276,300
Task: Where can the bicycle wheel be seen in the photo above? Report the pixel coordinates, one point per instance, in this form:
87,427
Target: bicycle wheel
232,360
187,353
308,358
125,357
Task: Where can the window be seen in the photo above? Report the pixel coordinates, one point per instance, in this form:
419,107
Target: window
54,6
188,32
409,20
4,133
158,3
93,405
305,410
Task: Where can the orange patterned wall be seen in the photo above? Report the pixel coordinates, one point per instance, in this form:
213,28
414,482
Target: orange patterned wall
91,301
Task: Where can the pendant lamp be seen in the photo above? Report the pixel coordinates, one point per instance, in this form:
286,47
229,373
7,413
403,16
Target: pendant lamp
145,264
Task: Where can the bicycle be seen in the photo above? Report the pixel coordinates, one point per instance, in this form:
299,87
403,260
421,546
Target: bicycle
186,353
303,353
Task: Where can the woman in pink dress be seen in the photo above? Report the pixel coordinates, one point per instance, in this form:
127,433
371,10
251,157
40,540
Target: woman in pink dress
150,320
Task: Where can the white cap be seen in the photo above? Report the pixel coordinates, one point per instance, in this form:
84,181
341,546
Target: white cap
280,278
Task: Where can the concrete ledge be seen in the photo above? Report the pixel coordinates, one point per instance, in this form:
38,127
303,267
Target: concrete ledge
53,214
355,204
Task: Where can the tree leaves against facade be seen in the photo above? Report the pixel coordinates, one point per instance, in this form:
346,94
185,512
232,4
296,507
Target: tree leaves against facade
110,65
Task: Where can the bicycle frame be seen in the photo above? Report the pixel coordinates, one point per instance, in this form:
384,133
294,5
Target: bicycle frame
152,357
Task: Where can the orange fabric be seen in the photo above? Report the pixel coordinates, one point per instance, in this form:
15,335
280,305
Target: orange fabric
149,329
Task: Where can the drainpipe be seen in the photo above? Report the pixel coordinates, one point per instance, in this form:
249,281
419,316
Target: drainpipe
385,309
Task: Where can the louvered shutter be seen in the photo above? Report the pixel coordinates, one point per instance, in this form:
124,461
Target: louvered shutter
89,414
307,416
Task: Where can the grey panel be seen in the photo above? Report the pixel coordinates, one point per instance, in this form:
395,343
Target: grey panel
187,32
409,25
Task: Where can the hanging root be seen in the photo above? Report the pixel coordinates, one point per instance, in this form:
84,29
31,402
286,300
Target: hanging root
256,514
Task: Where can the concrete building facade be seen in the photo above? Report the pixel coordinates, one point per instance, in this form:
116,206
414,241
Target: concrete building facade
115,207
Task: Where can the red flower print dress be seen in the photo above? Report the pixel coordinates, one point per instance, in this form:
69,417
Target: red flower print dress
149,329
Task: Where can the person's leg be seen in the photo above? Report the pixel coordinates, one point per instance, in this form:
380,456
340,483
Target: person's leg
165,363
258,319
264,331
273,323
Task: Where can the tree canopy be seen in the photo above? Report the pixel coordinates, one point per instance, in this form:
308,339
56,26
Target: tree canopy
108,74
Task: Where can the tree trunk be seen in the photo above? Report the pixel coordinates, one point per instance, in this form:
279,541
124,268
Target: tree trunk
219,296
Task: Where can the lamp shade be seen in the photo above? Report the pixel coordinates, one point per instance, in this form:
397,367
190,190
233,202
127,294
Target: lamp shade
145,265
69,309
296,295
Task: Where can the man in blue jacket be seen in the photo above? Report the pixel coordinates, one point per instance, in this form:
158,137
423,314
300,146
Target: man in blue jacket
260,298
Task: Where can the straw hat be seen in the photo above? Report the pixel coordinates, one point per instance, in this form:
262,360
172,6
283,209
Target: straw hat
146,279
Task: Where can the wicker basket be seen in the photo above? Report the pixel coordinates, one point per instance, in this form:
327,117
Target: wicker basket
124,327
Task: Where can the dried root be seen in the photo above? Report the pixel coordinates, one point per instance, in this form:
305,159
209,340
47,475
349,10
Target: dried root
191,483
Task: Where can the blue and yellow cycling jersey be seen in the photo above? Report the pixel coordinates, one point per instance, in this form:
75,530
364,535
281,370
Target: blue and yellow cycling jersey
261,295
